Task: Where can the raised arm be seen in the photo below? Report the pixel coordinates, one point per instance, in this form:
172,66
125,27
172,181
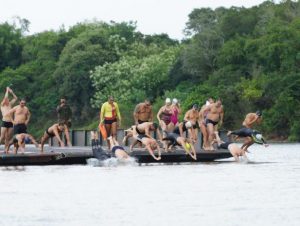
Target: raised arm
5,96
15,98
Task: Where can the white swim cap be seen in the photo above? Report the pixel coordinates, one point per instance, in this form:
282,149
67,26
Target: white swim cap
174,101
188,124
168,100
258,136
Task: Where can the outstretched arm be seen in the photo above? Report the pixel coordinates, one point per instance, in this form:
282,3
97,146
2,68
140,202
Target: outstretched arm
148,147
55,131
15,98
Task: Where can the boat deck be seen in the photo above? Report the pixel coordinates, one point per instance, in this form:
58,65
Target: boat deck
79,155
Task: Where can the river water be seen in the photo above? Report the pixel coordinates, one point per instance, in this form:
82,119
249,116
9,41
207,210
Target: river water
264,191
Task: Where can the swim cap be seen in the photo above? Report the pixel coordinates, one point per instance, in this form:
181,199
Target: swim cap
188,124
258,113
188,146
168,100
196,106
174,101
258,136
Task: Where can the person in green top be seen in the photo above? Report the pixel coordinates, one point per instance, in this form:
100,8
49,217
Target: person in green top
64,112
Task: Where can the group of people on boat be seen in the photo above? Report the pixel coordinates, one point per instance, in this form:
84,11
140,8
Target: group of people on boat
15,120
171,132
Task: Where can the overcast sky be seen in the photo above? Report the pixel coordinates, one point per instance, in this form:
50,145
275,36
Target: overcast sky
152,16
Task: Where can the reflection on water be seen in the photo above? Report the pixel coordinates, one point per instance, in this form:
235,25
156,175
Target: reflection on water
265,191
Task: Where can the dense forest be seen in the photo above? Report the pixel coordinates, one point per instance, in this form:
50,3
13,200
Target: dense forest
249,57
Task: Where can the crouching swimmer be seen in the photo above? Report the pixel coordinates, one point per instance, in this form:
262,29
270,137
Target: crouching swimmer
150,144
185,143
19,141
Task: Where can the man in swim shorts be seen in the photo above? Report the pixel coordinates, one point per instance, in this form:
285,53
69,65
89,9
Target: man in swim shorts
215,115
143,113
55,131
7,125
21,116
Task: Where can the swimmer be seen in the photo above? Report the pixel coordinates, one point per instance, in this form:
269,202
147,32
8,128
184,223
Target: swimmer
19,141
234,149
175,139
150,144
55,131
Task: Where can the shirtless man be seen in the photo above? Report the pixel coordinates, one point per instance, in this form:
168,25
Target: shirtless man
7,125
143,113
192,115
215,115
246,131
19,141
56,131
21,117
202,117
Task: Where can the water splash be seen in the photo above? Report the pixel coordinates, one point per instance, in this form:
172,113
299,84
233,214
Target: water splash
112,162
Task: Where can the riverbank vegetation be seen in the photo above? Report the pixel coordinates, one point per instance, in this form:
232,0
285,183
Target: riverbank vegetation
249,57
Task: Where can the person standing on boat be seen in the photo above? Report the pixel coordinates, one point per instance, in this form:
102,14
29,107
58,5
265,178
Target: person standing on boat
7,125
143,113
110,116
20,116
202,119
164,116
64,112
192,116
214,117
176,112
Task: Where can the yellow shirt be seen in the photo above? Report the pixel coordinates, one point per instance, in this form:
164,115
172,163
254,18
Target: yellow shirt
110,111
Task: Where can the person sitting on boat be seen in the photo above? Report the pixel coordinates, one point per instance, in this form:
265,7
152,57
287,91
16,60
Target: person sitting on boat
175,139
234,149
150,144
55,131
253,136
19,141
144,128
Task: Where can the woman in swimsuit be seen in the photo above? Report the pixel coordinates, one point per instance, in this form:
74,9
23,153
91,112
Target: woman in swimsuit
164,116
176,111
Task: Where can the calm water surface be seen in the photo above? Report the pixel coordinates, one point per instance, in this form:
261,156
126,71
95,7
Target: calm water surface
265,191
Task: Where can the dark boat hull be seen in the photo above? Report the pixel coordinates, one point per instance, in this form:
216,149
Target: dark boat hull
79,155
